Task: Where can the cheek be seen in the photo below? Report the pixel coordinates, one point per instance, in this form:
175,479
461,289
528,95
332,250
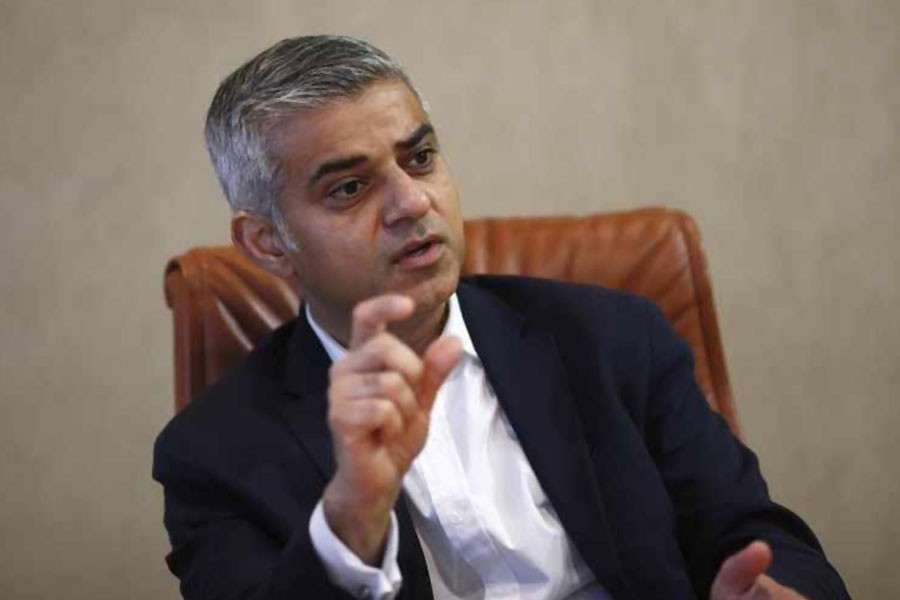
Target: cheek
344,248
445,197
449,209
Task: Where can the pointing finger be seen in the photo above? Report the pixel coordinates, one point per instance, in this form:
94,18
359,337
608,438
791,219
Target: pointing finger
370,317
383,352
440,358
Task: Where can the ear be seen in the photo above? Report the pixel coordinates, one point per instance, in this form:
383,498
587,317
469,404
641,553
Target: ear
258,237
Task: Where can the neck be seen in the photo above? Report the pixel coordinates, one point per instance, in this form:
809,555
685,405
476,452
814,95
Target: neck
421,329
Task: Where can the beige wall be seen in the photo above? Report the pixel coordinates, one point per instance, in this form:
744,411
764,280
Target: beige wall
775,122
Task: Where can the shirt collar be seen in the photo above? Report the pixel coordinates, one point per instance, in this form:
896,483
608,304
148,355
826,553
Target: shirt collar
455,325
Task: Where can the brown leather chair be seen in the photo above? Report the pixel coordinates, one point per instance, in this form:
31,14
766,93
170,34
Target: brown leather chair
223,304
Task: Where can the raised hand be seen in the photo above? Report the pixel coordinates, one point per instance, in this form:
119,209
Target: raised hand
742,577
379,400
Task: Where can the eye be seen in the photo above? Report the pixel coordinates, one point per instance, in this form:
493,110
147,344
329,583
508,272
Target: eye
423,159
347,190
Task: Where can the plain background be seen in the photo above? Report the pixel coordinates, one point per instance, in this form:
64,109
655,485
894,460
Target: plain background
776,123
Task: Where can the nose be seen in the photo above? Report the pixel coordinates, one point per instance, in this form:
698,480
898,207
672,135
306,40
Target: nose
407,199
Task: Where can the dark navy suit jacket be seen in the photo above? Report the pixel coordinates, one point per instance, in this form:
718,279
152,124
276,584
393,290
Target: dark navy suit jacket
649,484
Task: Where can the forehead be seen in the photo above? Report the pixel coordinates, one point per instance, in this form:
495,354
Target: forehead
369,124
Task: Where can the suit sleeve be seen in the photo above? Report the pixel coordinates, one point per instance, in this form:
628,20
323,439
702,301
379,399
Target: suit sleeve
219,553
721,499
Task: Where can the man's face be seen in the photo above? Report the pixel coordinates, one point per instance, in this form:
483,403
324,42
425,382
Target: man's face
370,203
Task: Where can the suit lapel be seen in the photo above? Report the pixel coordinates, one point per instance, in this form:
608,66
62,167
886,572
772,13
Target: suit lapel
306,377
306,412
524,368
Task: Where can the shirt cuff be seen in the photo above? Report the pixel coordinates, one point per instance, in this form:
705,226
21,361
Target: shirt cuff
346,570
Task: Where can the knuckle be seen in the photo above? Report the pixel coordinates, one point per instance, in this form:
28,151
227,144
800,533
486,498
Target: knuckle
415,370
370,382
418,369
392,383
381,346
360,311
383,340
380,410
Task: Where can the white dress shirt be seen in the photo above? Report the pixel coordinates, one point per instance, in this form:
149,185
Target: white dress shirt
486,527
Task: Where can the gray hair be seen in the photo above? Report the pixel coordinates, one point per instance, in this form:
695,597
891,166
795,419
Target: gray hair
294,74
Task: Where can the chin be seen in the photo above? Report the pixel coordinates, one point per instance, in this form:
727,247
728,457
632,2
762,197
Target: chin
434,292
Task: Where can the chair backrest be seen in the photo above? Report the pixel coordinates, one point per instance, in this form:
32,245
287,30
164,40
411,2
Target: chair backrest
223,304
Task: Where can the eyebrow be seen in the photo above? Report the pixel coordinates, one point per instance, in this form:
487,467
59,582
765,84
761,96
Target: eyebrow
338,164
417,136
341,164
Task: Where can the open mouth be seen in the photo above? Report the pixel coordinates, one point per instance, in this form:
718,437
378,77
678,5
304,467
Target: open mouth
419,249
420,252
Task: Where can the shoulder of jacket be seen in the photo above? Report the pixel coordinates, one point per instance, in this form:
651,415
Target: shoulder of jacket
237,395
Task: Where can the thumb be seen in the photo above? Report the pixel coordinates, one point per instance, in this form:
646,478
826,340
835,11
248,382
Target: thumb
440,358
740,571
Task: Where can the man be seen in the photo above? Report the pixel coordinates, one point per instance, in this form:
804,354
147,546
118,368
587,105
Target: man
411,435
